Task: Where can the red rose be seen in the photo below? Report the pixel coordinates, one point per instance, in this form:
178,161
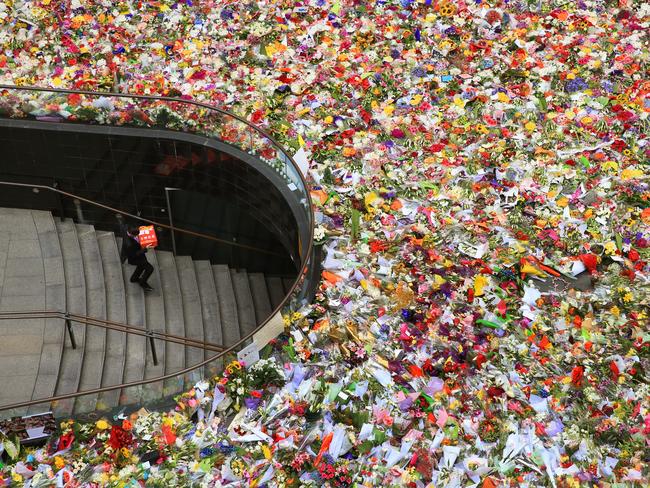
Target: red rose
65,441
619,145
633,255
495,391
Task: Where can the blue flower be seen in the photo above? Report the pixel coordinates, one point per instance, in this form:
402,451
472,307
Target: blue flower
419,72
206,452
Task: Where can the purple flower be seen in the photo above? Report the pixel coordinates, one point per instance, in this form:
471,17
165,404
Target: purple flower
252,403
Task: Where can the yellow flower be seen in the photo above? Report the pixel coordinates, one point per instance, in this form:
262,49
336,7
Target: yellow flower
628,297
447,9
629,173
59,462
266,451
615,311
102,424
611,165
610,247
562,202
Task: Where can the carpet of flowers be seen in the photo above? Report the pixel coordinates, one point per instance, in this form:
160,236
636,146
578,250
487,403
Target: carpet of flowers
479,170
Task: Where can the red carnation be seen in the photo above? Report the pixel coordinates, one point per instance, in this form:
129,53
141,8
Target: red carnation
619,145
119,438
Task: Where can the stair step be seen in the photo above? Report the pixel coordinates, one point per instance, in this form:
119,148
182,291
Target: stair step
227,304
136,346
75,288
276,291
245,307
154,305
174,322
192,313
53,333
261,299
115,353
93,362
210,310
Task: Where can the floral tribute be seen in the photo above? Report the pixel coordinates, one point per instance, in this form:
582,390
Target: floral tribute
479,170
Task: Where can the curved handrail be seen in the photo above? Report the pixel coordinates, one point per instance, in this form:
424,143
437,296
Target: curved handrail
304,257
109,324
136,217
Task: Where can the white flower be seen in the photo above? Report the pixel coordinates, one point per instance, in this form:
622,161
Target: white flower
319,233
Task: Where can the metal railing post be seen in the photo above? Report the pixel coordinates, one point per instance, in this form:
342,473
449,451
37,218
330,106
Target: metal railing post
153,347
55,184
68,324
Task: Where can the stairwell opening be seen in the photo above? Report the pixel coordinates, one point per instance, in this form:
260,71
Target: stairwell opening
215,290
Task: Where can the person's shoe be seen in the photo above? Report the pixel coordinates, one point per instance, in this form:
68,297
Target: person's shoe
146,287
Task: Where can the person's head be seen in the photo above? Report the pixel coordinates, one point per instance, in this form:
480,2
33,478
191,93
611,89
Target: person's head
133,230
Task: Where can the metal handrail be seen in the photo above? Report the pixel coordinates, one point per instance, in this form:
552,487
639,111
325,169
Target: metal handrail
109,324
304,257
127,214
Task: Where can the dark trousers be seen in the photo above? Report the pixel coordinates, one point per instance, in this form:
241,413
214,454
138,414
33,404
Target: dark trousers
142,272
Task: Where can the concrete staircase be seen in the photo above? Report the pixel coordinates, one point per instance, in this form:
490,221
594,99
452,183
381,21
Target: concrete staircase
47,264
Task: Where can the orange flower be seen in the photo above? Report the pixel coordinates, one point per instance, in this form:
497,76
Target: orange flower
645,215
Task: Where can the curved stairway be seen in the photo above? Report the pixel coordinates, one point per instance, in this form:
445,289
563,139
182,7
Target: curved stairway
49,264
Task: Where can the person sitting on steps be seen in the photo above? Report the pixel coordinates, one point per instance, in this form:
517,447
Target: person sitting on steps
136,255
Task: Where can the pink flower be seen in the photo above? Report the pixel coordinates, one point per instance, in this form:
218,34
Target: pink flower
383,417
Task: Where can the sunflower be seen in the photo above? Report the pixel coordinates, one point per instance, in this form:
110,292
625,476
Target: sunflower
447,9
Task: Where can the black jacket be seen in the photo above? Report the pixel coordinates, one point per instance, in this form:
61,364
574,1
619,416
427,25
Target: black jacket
131,250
